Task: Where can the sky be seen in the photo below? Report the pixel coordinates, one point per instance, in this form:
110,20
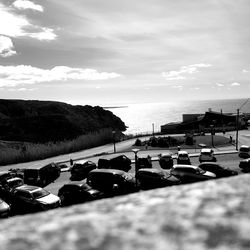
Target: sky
115,52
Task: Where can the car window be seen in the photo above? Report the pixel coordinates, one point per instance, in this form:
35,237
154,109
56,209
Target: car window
15,183
24,194
39,193
186,170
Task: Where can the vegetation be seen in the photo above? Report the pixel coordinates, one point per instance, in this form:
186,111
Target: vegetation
32,130
188,141
46,121
15,152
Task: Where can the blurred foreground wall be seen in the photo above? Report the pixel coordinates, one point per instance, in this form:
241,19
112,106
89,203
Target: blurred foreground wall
207,215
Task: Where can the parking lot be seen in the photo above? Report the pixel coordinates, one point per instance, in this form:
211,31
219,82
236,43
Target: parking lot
228,160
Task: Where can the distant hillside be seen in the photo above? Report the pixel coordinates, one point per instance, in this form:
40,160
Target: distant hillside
43,121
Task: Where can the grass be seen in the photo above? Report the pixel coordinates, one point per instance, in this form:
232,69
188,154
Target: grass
16,152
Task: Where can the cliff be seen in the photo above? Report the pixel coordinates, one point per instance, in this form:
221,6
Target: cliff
43,121
207,215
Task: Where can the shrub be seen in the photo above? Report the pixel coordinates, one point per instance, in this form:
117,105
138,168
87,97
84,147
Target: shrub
138,142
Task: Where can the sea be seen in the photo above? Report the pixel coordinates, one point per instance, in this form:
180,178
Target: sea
143,118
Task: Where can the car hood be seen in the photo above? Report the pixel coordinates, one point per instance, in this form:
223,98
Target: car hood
4,206
210,174
49,199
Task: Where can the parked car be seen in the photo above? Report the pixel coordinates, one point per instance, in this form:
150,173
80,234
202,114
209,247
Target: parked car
183,158
217,169
29,199
78,192
244,151
149,178
207,154
121,162
40,175
4,175
191,173
144,162
80,170
166,160
4,209
10,174
7,185
245,165
112,181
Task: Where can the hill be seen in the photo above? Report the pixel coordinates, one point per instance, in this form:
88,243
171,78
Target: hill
43,121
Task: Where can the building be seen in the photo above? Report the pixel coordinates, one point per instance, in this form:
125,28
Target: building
216,121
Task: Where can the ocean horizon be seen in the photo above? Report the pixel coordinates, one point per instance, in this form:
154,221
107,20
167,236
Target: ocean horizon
144,117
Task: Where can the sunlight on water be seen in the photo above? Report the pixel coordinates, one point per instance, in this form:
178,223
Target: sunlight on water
140,117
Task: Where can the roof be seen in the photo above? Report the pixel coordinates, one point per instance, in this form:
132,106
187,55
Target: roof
110,171
28,188
206,150
185,166
151,170
182,152
40,165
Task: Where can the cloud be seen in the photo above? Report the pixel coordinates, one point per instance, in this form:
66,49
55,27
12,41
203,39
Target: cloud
6,47
25,4
220,85
25,74
20,26
184,71
235,84
245,71
179,87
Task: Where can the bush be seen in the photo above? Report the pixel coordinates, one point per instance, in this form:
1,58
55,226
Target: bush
189,140
153,142
138,142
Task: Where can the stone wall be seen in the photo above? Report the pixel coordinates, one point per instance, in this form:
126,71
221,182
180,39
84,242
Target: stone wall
206,215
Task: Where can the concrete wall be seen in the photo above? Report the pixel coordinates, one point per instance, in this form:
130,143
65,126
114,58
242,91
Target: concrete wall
206,215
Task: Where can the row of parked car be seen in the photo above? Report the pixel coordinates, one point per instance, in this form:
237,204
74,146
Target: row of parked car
107,180
22,190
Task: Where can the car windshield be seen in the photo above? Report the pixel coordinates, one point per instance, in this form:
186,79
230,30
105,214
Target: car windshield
39,193
206,153
200,171
244,149
15,183
127,177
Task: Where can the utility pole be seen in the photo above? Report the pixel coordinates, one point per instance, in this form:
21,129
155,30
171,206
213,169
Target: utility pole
237,123
153,127
237,128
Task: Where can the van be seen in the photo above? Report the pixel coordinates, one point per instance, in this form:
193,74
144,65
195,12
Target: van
244,151
40,175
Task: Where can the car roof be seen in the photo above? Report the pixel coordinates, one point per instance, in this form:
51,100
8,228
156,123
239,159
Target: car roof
108,171
75,183
28,188
244,146
14,178
184,166
166,155
206,150
150,170
83,161
209,163
182,152
40,165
